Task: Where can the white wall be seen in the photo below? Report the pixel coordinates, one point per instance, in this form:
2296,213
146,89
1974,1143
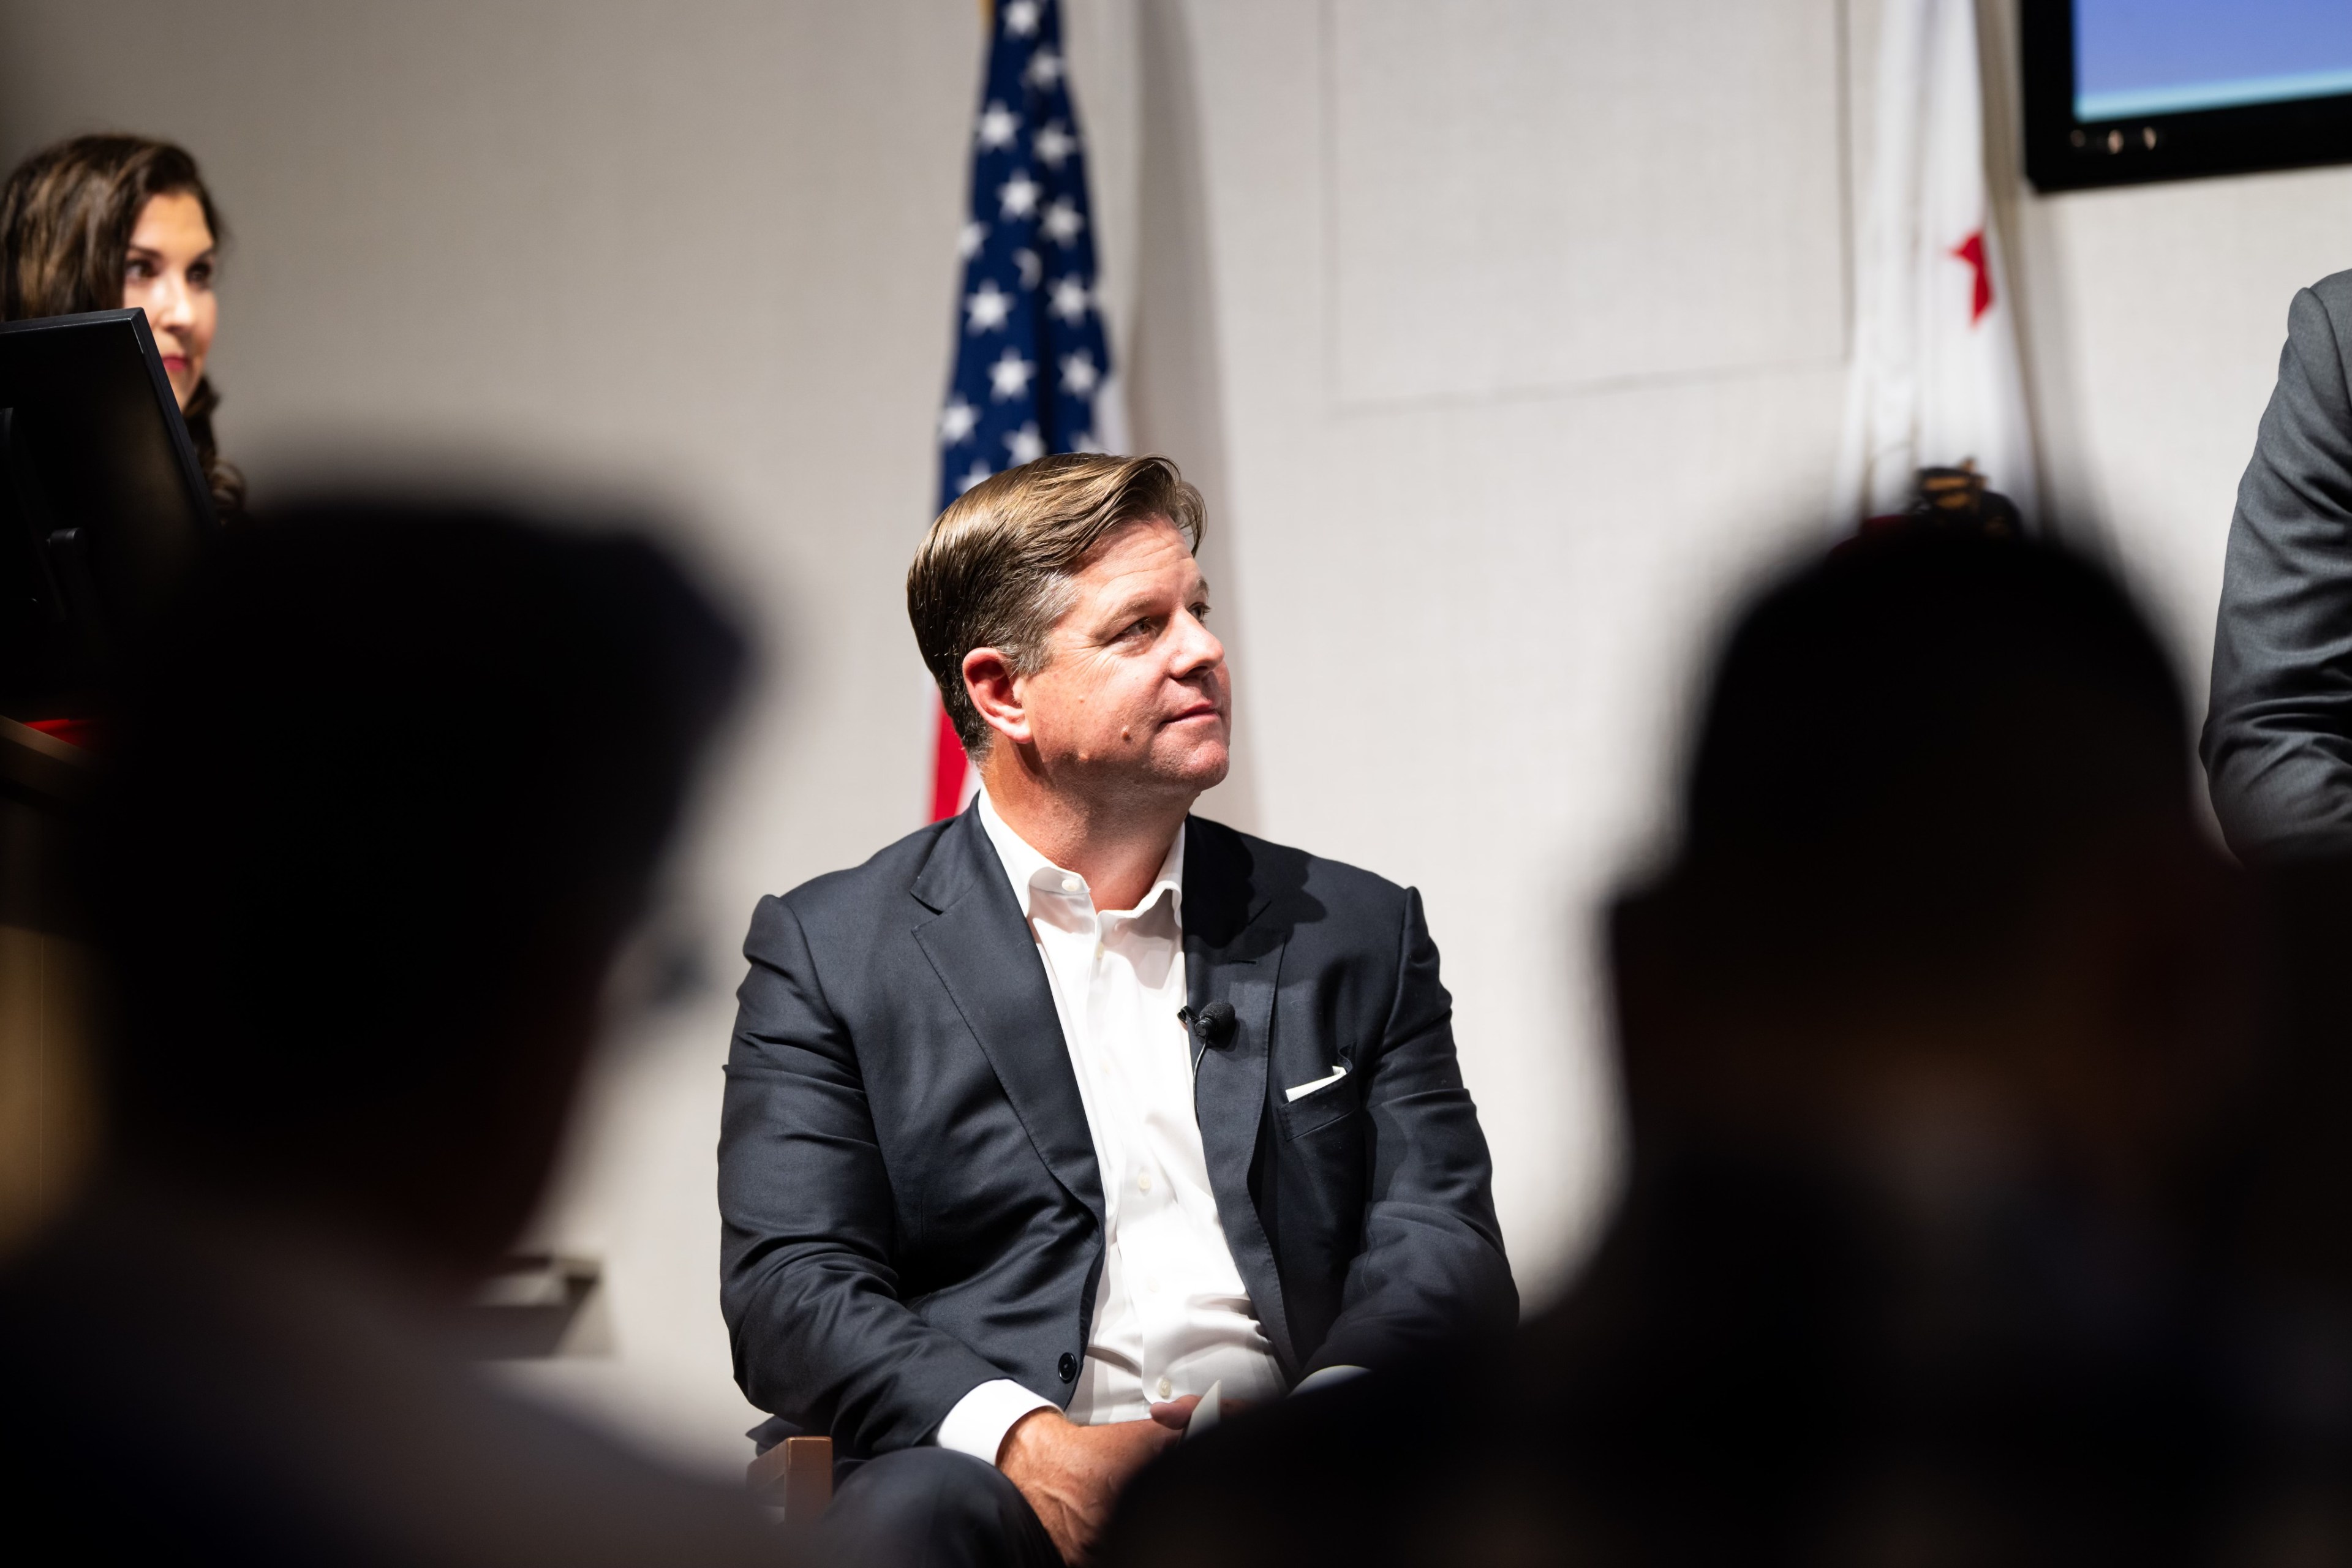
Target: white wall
1507,338
2153,319
1526,352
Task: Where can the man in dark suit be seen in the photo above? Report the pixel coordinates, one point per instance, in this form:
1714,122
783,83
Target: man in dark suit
2278,733
1053,1119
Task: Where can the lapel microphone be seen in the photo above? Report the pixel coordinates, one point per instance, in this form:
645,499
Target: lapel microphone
1212,1026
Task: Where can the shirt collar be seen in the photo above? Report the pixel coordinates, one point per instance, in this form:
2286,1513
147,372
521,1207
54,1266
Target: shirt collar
1032,874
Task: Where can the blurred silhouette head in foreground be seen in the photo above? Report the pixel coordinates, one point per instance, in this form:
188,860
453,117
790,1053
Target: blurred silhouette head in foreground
1942,914
393,783
1935,1055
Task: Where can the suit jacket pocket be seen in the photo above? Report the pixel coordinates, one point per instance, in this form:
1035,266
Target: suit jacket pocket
1312,1113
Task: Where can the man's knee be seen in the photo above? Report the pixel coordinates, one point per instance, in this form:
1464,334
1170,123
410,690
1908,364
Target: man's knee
917,1479
935,1506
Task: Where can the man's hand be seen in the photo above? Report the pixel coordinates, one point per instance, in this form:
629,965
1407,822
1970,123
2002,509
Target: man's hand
1178,1412
1073,1474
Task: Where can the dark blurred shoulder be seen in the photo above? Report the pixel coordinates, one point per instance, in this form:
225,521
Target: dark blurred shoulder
178,1391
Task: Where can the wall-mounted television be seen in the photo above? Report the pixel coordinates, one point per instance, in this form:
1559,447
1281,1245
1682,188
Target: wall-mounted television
2122,91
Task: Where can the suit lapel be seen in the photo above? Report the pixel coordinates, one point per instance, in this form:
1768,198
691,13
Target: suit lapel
1228,958
984,955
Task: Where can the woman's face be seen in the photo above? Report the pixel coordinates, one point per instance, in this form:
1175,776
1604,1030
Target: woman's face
168,273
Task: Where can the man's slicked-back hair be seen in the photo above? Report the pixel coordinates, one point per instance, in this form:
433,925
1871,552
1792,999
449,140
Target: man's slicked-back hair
995,569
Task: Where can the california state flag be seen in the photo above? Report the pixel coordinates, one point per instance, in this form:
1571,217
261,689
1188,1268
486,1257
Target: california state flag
1935,381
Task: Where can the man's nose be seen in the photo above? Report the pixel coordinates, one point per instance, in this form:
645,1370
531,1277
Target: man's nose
1199,648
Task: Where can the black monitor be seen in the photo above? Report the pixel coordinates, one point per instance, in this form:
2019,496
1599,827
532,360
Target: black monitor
102,502
2123,91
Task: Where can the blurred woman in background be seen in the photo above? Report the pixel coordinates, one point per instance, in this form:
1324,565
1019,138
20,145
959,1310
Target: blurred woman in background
104,223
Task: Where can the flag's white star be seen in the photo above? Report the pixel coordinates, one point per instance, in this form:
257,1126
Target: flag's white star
1078,372
968,243
988,307
956,422
1025,445
998,126
1062,221
973,476
1084,441
1021,17
1054,143
1069,299
1009,376
1031,269
1044,68
1017,197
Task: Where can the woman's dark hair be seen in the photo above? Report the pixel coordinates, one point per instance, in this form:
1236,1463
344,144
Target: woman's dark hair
65,219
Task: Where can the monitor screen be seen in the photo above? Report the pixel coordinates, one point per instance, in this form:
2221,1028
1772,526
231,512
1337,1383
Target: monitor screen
2134,59
2118,91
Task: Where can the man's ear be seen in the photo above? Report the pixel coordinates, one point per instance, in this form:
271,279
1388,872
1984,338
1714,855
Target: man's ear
994,689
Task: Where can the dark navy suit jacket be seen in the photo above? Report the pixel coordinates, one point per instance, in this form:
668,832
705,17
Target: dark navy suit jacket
907,1178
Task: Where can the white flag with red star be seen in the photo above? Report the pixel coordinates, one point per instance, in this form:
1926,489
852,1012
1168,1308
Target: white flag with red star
1935,381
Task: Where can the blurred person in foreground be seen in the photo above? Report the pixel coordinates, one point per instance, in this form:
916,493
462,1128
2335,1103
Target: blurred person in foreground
1934,1050
1057,1117
392,784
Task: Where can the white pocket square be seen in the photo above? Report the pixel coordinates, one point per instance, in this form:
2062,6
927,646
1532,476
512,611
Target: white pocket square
1303,1089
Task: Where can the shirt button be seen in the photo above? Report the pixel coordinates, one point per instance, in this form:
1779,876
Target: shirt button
1068,1367
1143,1181
1071,884
1163,1388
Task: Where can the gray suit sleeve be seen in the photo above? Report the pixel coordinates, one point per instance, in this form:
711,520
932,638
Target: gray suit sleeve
822,1336
2278,734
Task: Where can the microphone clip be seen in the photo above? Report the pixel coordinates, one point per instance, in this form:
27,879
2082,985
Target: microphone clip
1211,1028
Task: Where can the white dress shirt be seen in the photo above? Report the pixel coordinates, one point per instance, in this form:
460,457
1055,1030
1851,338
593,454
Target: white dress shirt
1171,1316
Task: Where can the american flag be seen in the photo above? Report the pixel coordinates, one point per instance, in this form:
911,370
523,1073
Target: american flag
1032,357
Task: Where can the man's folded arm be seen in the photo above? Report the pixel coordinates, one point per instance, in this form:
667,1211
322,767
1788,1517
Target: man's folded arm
812,1302
2278,744
1431,1267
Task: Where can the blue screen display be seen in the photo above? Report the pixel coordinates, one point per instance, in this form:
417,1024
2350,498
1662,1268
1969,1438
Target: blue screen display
2134,57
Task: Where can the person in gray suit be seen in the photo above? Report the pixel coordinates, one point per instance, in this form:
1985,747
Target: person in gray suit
1057,1117
2278,734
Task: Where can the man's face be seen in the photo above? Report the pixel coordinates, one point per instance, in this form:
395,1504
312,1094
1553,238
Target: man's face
1134,695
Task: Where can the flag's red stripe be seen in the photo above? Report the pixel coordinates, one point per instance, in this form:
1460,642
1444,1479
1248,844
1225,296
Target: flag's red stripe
947,765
